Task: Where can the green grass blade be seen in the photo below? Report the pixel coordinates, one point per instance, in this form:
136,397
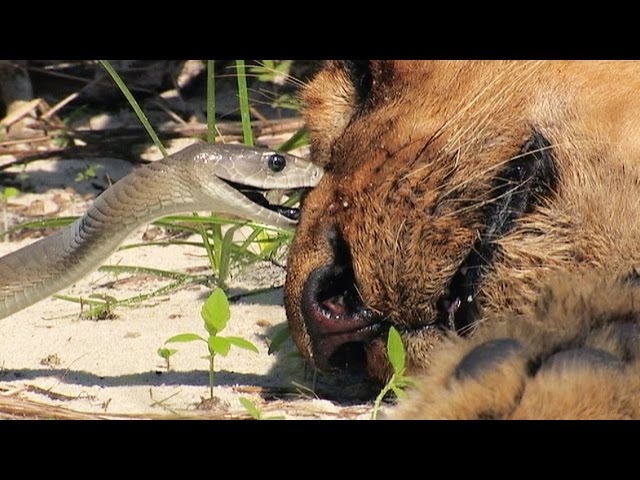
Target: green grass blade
130,301
163,243
297,140
116,269
211,254
134,104
83,300
163,290
282,335
168,222
250,238
225,253
217,238
257,291
243,97
211,101
39,224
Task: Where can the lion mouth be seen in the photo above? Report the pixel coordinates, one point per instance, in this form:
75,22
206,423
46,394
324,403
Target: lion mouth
348,335
345,333
340,325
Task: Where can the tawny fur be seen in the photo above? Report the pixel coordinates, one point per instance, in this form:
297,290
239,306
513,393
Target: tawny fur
407,174
568,315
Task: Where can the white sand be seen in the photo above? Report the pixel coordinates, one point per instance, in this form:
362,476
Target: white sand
50,355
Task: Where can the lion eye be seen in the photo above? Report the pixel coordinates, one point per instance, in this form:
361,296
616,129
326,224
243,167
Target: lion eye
276,162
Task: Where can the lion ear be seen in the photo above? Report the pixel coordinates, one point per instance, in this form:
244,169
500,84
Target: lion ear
328,102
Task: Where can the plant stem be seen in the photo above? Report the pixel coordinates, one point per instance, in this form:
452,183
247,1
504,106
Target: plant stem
211,376
243,97
211,254
211,101
381,396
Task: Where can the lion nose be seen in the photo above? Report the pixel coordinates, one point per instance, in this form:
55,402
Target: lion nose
335,315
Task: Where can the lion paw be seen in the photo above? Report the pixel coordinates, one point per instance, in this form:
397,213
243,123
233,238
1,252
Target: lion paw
575,355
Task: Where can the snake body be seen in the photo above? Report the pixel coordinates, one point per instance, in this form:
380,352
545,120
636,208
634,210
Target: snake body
199,177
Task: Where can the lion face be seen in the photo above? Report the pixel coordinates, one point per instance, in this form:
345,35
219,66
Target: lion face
449,194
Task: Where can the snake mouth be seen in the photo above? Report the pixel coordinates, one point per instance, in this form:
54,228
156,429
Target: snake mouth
257,196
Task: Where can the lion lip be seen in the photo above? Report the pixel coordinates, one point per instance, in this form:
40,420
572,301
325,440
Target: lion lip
335,327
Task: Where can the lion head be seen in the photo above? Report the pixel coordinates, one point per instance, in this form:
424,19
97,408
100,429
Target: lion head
453,191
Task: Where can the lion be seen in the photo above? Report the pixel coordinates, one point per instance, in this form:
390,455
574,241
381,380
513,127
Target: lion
488,210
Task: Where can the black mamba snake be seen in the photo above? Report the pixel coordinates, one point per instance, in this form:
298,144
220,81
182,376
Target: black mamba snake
222,178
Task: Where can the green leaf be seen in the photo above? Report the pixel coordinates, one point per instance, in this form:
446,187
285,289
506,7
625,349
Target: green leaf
405,382
398,391
219,345
184,337
395,350
281,336
242,343
166,352
9,192
215,312
251,408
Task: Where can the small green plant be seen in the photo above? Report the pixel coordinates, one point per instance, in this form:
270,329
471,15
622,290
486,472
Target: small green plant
89,173
5,194
398,381
276,71
100,307
167,353
255,412
215,313
286,101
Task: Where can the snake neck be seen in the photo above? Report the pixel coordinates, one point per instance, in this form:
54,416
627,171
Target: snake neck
59,260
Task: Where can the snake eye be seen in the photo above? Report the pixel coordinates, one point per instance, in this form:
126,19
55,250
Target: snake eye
276,162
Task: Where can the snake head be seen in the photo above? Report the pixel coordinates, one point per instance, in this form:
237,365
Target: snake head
237,178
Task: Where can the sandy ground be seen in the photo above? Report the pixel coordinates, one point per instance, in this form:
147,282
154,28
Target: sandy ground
50,355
